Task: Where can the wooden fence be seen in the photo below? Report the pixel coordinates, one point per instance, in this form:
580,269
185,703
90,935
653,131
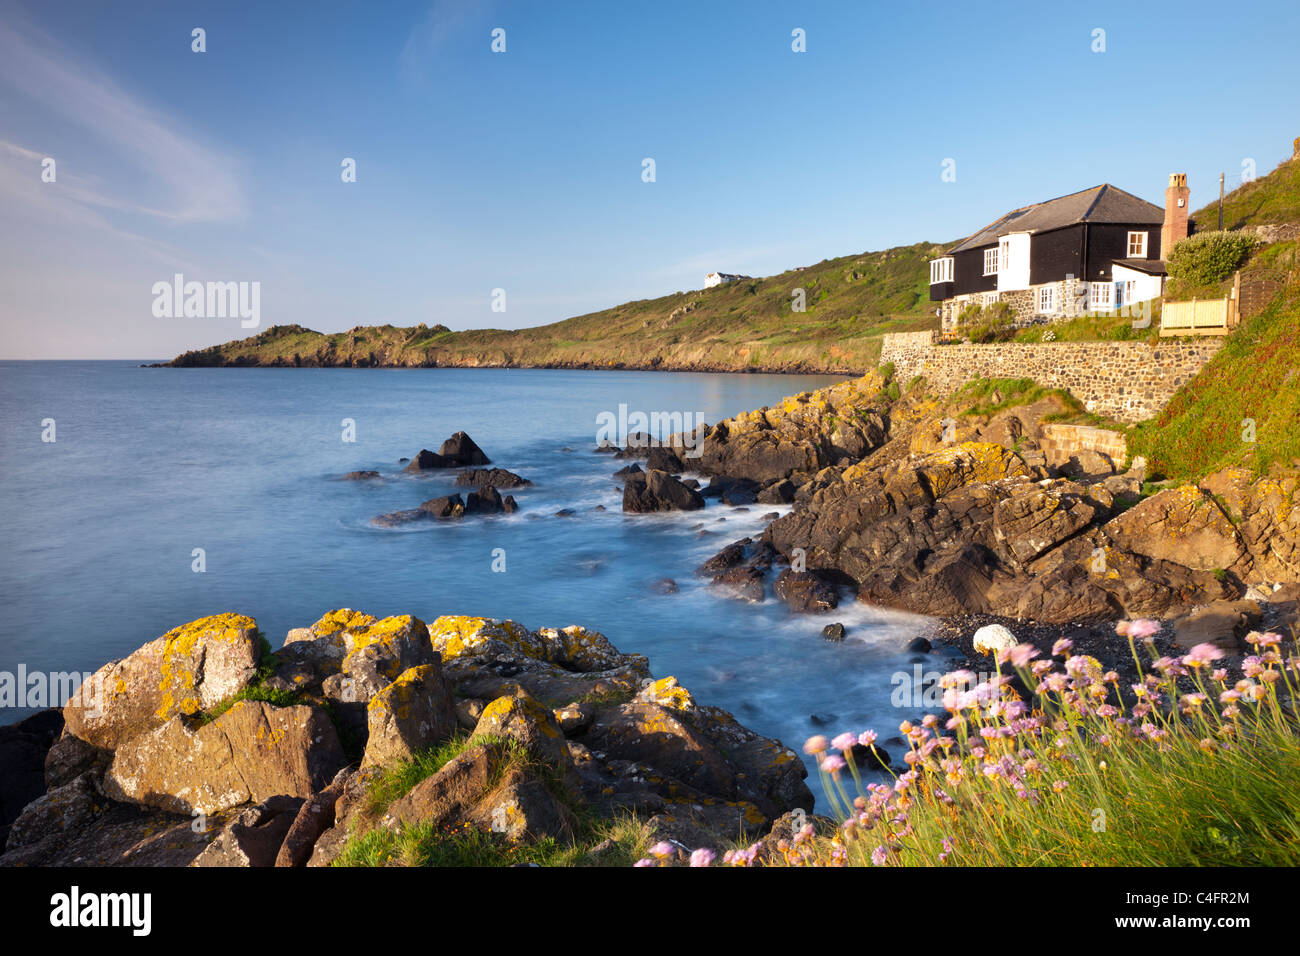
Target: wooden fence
1202,316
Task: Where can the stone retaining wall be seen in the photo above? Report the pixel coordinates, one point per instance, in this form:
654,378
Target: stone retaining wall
1061,442
1127,381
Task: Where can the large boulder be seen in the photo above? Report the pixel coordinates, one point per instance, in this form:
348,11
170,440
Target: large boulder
416,711
328,641
806,592
460,450
254,837
658,491
249,754
188,669
488,659
445,796
520,718
1183,525
427,461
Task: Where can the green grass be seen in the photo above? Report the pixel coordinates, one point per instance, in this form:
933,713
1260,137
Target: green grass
985,397
466,845
1273,198
1091,327
1254,377
397,781
257,688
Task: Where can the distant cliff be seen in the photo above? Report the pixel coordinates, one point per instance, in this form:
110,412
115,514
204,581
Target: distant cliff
752,325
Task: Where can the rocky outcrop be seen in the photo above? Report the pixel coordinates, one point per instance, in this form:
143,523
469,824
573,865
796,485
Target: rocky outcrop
458,451
496,477
804,434
558,725
658,491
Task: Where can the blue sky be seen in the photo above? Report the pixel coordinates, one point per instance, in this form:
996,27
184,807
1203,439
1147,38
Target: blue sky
522,170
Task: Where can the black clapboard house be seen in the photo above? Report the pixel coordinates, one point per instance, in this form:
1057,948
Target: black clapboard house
1092,251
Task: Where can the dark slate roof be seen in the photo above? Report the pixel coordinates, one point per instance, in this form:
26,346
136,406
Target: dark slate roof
1152,267
1104,203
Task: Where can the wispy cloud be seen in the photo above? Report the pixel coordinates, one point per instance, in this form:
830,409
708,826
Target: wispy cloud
187,181
426,43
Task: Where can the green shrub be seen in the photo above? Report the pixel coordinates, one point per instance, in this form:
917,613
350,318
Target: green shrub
1209,256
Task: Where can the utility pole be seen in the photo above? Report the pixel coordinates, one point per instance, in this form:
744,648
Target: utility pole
1220,202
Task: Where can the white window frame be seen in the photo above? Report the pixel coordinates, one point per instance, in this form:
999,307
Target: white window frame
941,270
1047,300
1138,239
991,261
1101,297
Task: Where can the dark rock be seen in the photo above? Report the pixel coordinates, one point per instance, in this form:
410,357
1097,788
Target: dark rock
659,491
314,817
460,449
448,506
806,592
777,493
23,750
487,501
632,469
664,459
742,582
496,477
360,475
664,586
254,837
918,645
564,513
427,460
833,632
730,556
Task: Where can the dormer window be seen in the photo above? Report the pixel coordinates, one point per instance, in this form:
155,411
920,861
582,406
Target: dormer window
991,261
1137,245
941,270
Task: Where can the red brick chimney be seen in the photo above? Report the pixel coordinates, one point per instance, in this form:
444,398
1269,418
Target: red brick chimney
1175,227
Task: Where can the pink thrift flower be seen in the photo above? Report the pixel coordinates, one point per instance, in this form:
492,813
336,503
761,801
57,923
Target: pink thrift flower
844,742
816,744
663,849
703,857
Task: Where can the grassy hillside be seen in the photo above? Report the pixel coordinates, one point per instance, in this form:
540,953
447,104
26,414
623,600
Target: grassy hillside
745,326
1274,198
1255,378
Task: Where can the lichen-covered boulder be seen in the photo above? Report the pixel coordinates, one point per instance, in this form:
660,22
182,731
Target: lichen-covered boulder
486,658
967,463
252,752
325,643
379,652
521,718
522,807
188,669
416,711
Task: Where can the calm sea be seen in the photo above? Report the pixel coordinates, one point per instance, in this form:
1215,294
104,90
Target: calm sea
101,525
